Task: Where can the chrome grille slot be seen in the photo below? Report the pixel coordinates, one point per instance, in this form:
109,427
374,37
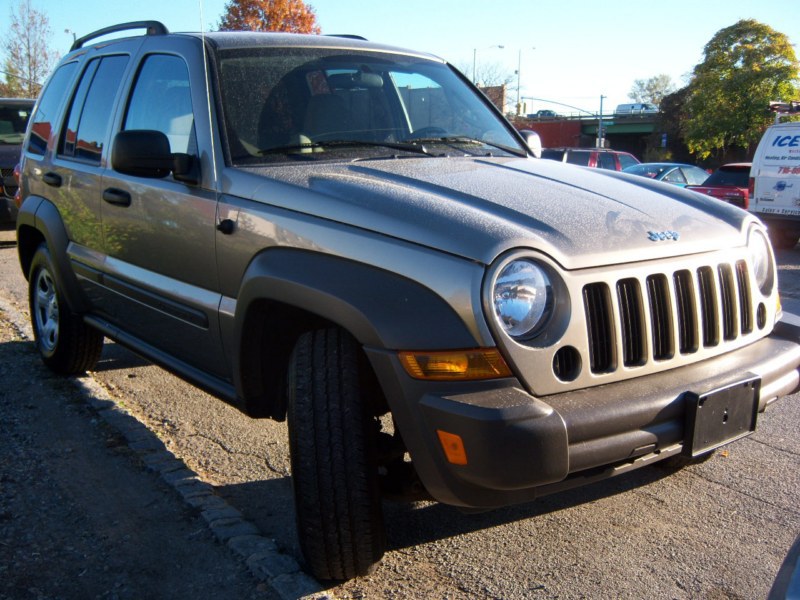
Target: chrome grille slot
708,306
730,317
660,316
687,312
632,322
597,304
745,300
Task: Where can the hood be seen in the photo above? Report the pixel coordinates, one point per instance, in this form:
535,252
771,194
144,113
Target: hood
478,208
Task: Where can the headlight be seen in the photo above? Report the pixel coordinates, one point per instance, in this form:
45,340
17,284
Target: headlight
523,298
761,259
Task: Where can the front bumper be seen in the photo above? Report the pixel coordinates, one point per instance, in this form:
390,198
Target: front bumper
520,447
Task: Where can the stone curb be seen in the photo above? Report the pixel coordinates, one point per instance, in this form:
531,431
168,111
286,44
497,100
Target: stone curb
281,572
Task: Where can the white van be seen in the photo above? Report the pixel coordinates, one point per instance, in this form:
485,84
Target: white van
775,183
639,108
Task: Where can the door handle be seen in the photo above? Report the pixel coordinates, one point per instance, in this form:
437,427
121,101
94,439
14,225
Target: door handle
52,179
118,197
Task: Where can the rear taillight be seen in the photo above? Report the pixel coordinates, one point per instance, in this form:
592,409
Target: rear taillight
751,190
18,194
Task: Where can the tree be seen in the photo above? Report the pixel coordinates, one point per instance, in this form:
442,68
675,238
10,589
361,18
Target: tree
653,90
12,86
293,16
29,59
745,66
488,74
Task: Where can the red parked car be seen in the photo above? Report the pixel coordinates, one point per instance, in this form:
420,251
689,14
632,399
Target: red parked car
601,158
729,183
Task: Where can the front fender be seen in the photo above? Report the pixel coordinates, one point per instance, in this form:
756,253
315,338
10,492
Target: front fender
379,308
285,292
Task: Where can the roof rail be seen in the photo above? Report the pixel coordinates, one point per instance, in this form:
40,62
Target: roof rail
349,36
152,27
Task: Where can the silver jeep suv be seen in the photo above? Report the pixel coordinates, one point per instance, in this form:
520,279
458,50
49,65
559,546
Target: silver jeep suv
352,237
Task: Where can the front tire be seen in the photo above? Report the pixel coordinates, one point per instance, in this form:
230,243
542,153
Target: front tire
66,344
334,466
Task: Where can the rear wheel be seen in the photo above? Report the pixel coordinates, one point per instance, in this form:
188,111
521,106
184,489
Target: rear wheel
67,345
332,436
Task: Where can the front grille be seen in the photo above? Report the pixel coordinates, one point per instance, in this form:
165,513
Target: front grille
661,315
9,182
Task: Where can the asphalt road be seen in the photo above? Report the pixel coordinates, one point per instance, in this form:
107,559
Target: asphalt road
720,529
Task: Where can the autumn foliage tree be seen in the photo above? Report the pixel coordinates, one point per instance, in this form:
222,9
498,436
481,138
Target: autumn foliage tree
293,16
746,66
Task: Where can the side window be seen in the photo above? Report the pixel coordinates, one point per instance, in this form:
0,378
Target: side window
49,105
578,157
161,100
606,160
626,161
90,113
675,176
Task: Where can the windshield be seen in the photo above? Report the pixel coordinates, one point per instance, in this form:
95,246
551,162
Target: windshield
288,104
13,121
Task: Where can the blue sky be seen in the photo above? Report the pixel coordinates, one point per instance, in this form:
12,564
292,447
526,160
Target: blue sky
569,51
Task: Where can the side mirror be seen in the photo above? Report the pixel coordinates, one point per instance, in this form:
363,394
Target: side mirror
146,153
534,142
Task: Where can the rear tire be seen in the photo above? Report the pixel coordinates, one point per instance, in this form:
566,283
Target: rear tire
332,437
66,344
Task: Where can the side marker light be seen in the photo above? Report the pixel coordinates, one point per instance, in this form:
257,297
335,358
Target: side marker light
453,447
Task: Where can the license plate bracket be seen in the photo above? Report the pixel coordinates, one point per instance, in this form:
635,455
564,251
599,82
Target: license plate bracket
720,416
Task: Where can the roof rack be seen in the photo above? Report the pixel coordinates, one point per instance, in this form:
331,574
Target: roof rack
152,27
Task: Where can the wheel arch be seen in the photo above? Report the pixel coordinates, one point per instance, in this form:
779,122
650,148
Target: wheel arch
286,292
39,221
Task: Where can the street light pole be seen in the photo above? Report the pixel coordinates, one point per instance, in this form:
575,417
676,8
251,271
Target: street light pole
519,76
475,61
600,140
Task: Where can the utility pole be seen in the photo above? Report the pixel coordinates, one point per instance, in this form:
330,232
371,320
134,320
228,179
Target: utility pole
600,136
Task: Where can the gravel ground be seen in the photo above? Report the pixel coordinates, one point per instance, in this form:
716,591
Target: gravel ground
85,514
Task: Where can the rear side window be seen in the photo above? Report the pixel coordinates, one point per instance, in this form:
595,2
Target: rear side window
606,160
162,101
626,160
553,154
90,113
579,158
732,176
49,105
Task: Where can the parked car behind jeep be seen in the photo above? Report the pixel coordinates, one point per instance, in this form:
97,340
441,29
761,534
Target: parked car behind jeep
600,158
14,113
351,237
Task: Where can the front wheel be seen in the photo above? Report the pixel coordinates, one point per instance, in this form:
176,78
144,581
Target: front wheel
67,345
332,438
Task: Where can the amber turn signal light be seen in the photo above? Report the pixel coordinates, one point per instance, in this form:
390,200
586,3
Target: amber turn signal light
455,365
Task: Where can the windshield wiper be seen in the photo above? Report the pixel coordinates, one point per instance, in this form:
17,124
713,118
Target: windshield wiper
415,146
462,139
